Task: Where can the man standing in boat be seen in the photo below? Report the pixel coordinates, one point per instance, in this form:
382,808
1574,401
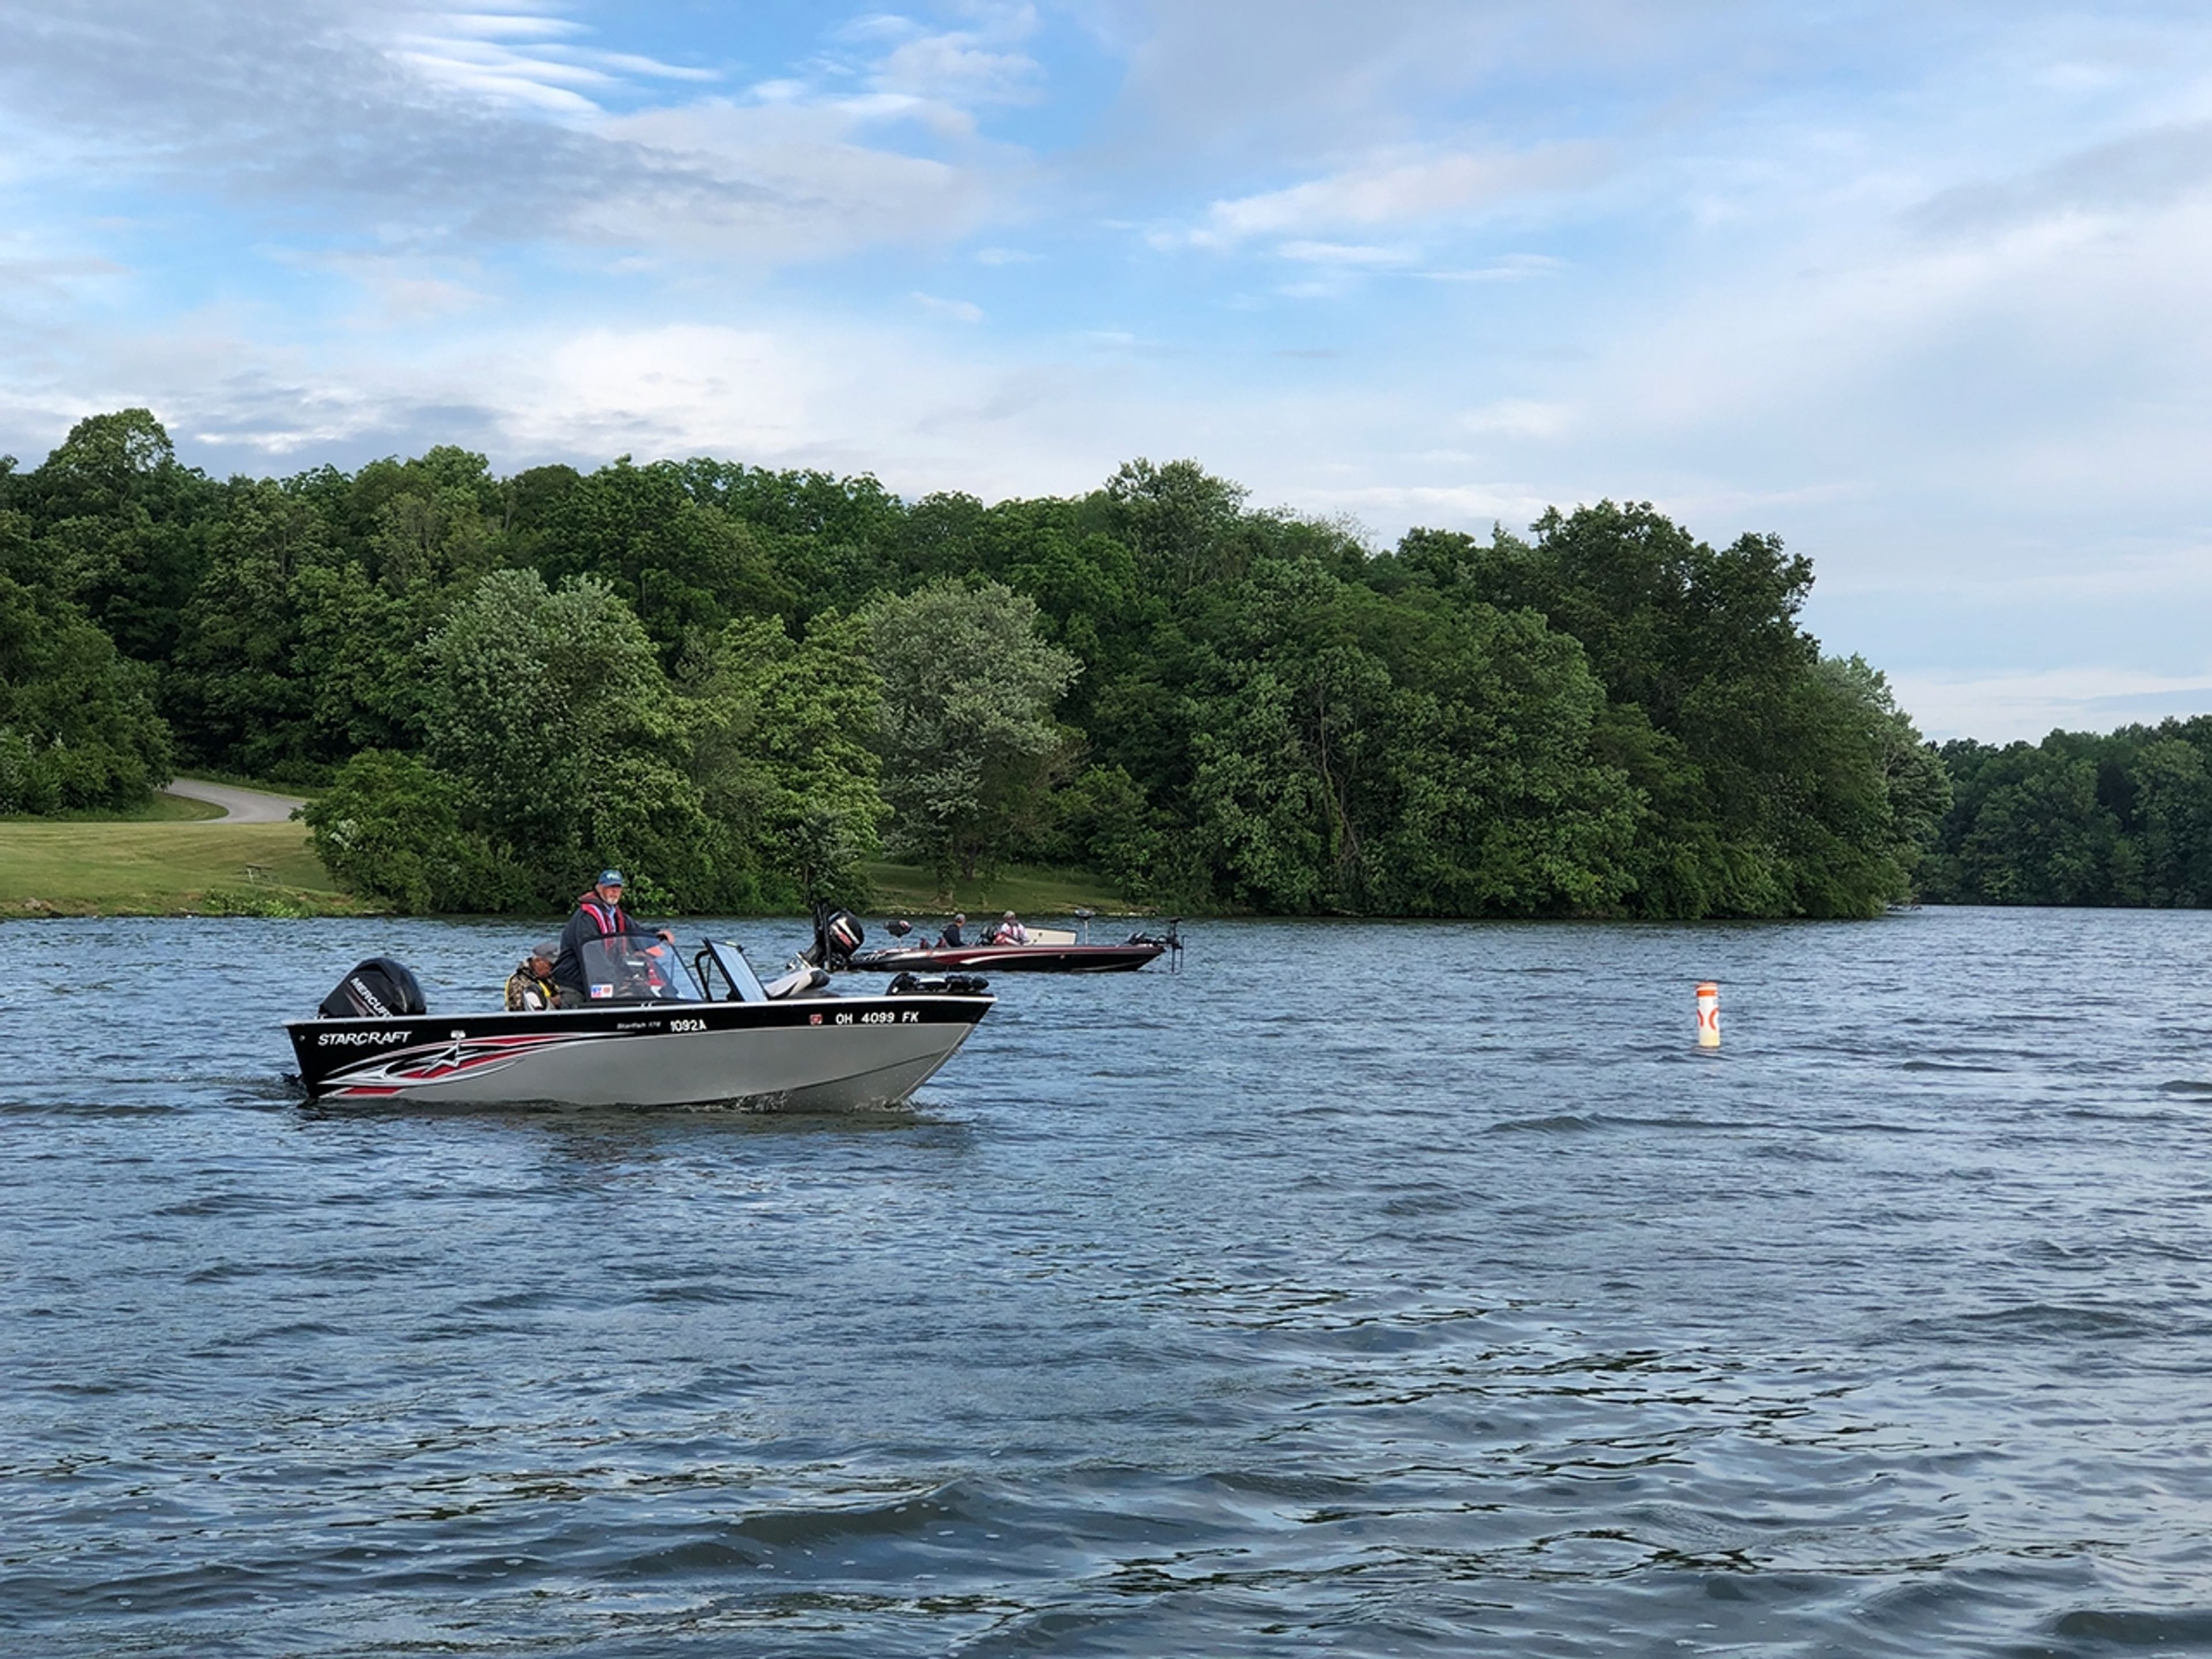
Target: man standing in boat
952,938
600,914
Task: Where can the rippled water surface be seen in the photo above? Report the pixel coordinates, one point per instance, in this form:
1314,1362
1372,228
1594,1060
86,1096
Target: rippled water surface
1364,1289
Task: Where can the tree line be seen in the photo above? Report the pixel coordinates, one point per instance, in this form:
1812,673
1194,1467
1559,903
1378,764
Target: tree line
742,683
2124,818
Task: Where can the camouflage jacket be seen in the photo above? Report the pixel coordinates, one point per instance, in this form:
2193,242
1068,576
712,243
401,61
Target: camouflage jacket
527,993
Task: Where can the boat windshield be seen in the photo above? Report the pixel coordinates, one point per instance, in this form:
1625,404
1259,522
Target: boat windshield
634,969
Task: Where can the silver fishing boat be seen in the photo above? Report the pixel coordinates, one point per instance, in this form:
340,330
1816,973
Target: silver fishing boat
650,1036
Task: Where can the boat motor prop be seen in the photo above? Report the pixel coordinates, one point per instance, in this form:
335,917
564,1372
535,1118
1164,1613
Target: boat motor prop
377,989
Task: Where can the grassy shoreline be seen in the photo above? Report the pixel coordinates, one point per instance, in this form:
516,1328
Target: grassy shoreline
164,862
153,867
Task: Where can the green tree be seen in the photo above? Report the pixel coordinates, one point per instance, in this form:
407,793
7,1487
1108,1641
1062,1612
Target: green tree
2045,839
2174,806
1185,526
551,710
237,690
1762,772
684,566
781,732
1102,820
1373,754
117,525
77,726
389,827
1916,784
969,743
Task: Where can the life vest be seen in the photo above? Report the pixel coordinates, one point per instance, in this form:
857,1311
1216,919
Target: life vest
548,993
609,919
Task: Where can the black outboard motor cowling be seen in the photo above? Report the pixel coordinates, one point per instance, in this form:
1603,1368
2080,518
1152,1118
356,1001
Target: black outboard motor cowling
377,989
843,931
837,934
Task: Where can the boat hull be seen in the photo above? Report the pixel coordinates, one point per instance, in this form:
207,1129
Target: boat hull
804,1054
1010,959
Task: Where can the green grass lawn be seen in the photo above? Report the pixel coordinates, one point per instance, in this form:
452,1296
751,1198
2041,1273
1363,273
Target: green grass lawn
162,808
162,868
159,866
1036,893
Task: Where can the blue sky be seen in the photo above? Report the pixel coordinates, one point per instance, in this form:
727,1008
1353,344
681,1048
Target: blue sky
1921,289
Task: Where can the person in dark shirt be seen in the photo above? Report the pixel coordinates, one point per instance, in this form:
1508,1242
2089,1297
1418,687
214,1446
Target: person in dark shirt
600,914
952,938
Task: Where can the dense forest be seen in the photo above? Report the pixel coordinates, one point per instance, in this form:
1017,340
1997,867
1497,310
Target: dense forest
740,685
2123,819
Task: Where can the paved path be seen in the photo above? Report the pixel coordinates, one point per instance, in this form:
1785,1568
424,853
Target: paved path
238,805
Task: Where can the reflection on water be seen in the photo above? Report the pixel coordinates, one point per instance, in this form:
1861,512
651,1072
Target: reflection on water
1366,1289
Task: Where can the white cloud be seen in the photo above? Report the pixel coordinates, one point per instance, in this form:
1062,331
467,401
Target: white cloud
960,311
525,57
471,130
1518,417
960,69
1345,253
762,184
1510,268
1396,189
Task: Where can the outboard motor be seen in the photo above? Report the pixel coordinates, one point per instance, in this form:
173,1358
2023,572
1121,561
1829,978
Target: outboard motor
837,934
379,988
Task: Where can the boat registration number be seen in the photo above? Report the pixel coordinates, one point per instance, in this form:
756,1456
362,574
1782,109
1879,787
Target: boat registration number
882,1017
687,1024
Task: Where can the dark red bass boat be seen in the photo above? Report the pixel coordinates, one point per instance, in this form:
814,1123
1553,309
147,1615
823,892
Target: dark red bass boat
839,939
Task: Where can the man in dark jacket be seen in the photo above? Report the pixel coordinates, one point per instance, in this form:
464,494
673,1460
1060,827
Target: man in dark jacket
600,914
952,938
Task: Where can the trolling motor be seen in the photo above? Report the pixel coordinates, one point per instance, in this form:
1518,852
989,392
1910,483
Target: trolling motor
898,929
1172,938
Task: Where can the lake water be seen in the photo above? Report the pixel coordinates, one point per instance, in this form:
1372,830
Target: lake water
1364,1289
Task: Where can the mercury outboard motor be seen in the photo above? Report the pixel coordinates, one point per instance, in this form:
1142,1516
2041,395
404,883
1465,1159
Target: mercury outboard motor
837,934
377,989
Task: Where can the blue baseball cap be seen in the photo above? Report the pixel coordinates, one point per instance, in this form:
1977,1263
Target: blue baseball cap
611,878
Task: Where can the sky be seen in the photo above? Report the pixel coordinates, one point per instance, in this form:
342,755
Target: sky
1921,290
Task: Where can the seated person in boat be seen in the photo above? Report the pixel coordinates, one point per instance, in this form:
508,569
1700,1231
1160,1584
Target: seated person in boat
1009,931
600,914
952,939
530,988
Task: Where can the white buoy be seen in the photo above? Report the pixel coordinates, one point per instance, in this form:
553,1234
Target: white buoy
1709,1015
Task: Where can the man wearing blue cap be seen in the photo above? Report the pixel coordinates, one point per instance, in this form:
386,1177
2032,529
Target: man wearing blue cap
600,914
